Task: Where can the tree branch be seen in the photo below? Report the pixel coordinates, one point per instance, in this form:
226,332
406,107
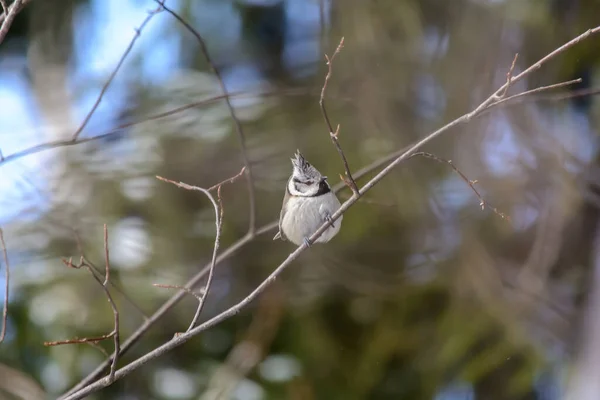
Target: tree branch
179,340
114,334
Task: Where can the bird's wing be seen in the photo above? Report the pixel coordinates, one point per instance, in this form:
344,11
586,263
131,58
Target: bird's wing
280,234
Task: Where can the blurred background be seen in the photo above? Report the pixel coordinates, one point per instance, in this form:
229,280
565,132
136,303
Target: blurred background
422,295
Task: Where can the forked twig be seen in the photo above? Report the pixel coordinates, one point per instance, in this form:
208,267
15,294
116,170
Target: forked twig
6,287
509,76
236,121
334,134
218,208
114,334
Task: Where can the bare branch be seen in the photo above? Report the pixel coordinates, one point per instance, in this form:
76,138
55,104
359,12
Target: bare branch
7,18
178,287
179,340
114,334
236,121
218,222
509,75
219,212
138,32
6,286
97,271
116,339
334,134
503,99
228,180
471,183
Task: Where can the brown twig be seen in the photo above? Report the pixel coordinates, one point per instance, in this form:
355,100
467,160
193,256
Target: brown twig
509,76
482,203
90,384
236,120
184,288
95,339
6,287
138,32
228,180
334,134
114,334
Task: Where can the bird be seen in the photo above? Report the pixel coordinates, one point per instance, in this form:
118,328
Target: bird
307,204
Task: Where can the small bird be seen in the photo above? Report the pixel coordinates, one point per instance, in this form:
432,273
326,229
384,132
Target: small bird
307,204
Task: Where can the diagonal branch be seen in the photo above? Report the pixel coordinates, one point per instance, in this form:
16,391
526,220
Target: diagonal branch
236,120
138,32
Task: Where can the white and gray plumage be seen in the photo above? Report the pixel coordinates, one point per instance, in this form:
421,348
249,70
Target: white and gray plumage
308,202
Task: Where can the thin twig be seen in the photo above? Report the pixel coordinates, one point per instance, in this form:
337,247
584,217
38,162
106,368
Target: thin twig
334,134
97,271
236,120
92,384
8,17
106,262
138,32
4,6
184,288
534,91
218,224
116,339
95,339
228,180
482,203
6,286
509,75
114,334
